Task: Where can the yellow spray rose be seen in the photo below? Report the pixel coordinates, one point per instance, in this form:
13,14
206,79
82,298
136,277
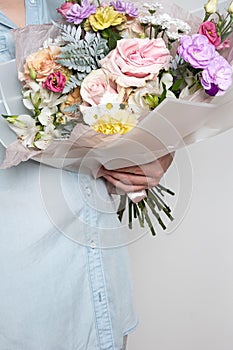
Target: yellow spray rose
105,17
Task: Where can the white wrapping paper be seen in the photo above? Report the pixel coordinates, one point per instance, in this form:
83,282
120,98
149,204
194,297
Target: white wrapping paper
172,125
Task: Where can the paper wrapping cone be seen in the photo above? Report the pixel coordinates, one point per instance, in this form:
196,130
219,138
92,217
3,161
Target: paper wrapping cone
172,125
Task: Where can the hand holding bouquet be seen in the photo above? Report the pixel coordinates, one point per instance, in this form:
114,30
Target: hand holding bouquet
106,69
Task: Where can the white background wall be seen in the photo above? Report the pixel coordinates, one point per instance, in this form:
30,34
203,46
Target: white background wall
183,281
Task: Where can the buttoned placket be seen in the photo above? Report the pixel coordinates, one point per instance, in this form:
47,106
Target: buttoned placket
32,11
96,273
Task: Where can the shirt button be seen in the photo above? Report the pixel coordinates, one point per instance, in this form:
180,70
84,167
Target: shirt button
92,245
32,2
88,191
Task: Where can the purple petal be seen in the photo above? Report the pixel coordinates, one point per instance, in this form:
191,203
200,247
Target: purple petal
214,89
127,8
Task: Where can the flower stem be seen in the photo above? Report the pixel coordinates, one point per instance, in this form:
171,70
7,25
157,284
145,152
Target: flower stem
153,204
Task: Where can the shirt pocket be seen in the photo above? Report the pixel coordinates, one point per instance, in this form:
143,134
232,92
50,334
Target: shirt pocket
3,45
6,47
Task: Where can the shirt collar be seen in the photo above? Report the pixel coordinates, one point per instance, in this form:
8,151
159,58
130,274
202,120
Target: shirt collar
7,22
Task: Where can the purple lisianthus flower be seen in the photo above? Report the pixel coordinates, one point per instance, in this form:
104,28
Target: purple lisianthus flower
77,13
196,50
217,74
125,7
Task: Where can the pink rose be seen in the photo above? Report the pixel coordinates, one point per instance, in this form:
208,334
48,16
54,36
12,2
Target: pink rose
55,82
95,86
135,61
208,29
64,8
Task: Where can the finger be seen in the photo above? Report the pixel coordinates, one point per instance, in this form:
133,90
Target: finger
124,187
132,170
135,180
153,169
98,172
166,160
137,169
156,168
112,189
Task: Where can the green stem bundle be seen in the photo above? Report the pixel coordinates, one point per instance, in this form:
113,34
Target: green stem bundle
152,204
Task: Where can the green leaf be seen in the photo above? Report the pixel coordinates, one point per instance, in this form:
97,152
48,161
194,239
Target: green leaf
164,93
112,37
176,86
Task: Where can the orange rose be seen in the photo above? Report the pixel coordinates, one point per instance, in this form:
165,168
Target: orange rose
42,63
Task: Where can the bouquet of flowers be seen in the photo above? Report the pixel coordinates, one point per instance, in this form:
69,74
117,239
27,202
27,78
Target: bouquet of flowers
101,73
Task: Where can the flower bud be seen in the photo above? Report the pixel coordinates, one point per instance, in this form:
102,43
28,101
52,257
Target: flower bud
230,9
211,6
151,100
32,73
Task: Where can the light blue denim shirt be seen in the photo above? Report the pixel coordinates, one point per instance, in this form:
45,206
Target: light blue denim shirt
58,289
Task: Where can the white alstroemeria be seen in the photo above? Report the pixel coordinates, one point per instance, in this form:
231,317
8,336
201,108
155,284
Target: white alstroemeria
51,99
46,136
31,99
25,127
44,141
61,118
52,131
32,96
38,97
34,86
153,7
46,116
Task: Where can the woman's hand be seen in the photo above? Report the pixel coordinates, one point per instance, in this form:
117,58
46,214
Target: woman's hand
136,178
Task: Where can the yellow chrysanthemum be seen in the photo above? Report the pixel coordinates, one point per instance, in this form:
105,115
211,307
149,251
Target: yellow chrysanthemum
122,123
105,17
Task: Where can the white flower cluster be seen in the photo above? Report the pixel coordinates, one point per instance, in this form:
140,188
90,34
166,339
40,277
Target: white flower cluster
25,125
182,26
152,7
179,28
164,21
172,27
